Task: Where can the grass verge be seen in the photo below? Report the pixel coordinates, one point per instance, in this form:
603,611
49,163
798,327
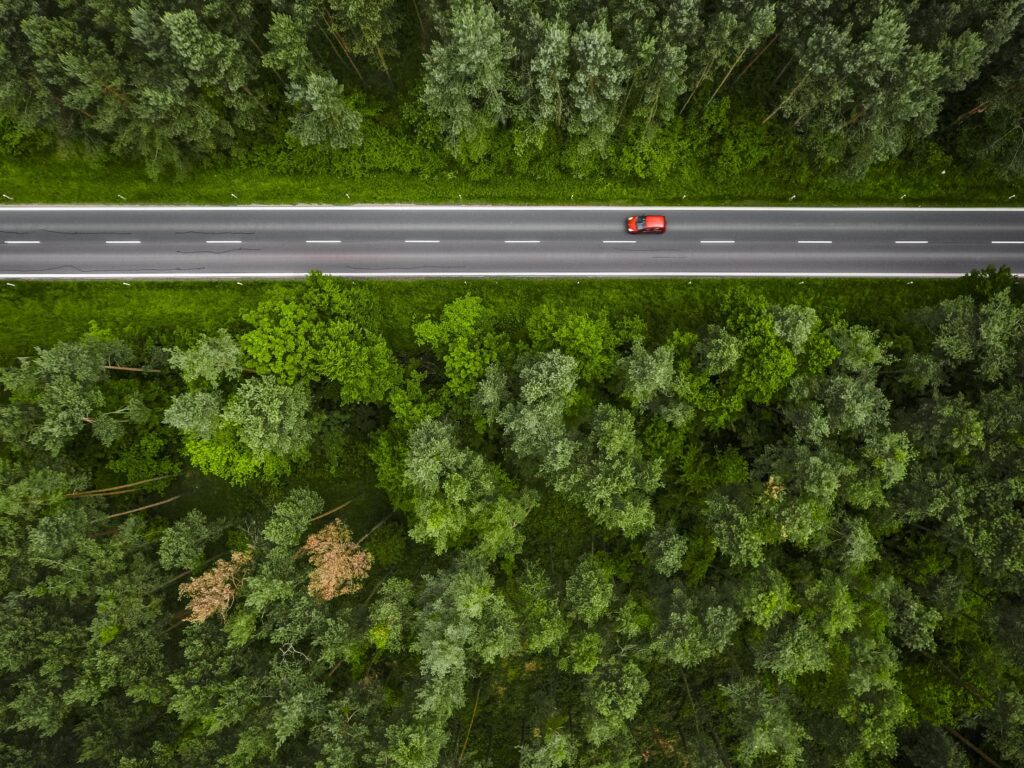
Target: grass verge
924,178
40,314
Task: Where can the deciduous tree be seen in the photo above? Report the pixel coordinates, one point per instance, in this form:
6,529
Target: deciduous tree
467,77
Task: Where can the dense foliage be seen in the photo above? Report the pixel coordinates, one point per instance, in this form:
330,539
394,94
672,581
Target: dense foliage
564,537
638,89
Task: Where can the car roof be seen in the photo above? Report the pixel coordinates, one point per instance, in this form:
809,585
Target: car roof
655,220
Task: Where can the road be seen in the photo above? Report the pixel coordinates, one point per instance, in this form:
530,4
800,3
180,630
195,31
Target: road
124,242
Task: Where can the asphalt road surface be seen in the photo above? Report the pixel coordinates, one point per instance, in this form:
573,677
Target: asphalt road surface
122,242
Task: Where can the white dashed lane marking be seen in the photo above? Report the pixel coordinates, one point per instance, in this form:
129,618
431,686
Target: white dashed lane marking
21,242
223,242
618,241
124,242
814,242
717,242
423,241
521,241
910,242
322,242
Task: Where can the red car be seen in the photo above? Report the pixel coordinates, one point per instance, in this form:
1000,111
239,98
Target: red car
646,225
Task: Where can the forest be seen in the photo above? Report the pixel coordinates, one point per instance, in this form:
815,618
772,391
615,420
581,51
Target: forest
686,93
329,524
727,524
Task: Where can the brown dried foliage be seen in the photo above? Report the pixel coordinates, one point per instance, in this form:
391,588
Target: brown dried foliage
339,565
213,592
666,745
774,489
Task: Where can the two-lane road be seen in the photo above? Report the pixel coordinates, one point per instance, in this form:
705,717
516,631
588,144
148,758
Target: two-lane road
121,242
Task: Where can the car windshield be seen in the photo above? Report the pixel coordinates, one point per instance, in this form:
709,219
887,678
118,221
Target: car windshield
641,221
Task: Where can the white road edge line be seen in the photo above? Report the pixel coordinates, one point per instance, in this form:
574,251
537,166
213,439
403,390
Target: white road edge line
717,242
399,206
223,242
323,242
910,242
123,242
814,242
21,242
423,241
1008,242
201,275
522,241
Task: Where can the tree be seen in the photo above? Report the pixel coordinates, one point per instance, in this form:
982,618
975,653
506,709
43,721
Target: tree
590,588
287,43
663,71
795,325
647,375
666,549
914,622
744,361
799,650
999,329
339,565
369,25
719,37
466,77
212,59
720,351
323,116
604,472
957,335
598,552
262,428
210,359
160,88
869,82
612,698
390,615
361,361
83,625
854,404
557,750
290,518
196,413
688,638
283,341
1001,141
767,596
270,419
588,337
543,107
614,481
458,497
183,544
213,592
766,726
464,339
57,393
542,619
596,86
741,530
462,624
